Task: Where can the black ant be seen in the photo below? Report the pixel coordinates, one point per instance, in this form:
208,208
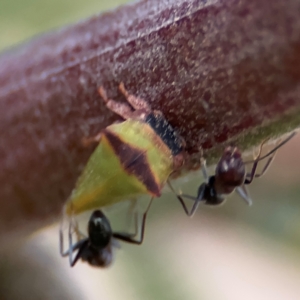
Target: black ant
97,248
230,175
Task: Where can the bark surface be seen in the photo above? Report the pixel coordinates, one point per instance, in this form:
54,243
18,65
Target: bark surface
220,71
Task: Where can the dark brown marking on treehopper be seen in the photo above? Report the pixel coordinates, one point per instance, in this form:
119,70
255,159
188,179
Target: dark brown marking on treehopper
134,162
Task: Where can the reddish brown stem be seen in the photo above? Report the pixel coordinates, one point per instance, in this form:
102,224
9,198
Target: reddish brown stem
217,69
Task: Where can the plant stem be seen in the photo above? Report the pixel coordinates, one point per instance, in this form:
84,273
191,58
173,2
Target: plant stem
220,71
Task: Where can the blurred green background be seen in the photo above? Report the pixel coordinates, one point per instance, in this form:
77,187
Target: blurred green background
22,19
231,252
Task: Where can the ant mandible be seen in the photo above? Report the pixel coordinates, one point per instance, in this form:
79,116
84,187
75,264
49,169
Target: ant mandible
230,175
97,248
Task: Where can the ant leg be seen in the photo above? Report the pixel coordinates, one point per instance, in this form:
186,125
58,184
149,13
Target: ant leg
136,102
129,238
74,247
70,245
242,191
61,241
279,145
136,223
264,170
197,199
81,245
131,211
121,109
266,167
200,197
80,235
204,169
250,176
180,198
274,149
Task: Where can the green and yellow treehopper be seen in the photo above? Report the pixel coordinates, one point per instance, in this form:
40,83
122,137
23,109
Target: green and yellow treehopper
133,158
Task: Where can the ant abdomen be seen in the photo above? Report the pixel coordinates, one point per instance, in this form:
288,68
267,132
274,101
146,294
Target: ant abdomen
230,171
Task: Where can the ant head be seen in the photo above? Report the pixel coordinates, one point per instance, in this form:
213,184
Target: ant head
99,230
231,168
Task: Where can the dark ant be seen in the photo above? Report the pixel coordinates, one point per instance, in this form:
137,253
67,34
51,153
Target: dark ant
97,248
230,175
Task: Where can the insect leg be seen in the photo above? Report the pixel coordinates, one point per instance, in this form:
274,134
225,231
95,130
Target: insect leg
265,168
80,235
130,237
274,149
61,244
70,251
242,191
121,109
197,199
204,169
135,102
267,165
250,176
179,198
87,141
131,211
81,245
61,241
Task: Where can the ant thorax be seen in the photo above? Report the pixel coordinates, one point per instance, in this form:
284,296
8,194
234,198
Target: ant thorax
210,195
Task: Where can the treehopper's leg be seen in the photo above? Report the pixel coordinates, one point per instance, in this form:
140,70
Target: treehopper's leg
121,109
87,141
136,102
